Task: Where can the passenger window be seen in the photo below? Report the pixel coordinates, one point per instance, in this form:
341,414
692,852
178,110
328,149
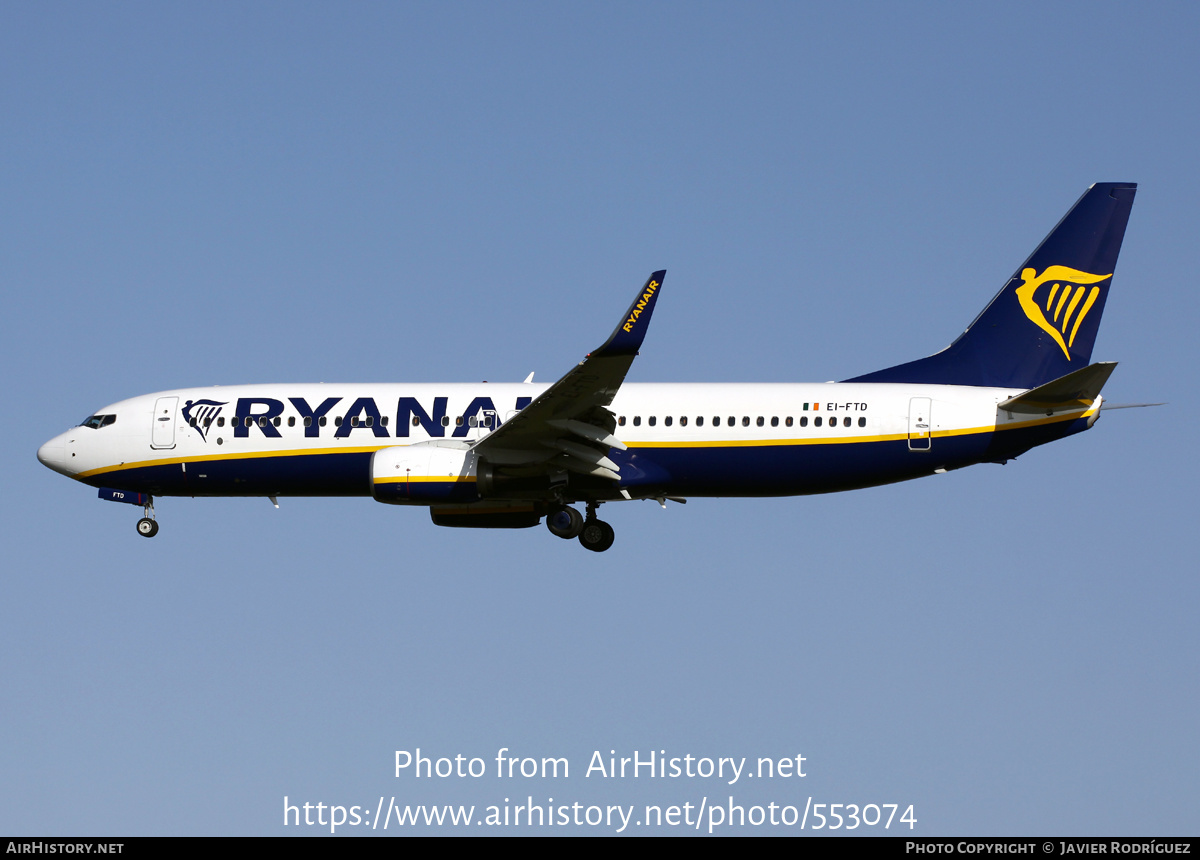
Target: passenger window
817,421
337,422
652,420
445,420
846,421
732,421
862,422
699,420
416,421
788,421
221,421
458,422
277,420
774,420
803,420
682,420
745,420
474,422
307,420
621,421
759,422
354,421
637,420
667,421
192,422
323,420
291,420
384,420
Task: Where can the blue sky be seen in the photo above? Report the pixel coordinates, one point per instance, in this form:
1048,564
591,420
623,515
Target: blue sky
214,193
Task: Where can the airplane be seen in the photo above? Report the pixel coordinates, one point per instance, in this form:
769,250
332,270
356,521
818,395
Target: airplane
509,455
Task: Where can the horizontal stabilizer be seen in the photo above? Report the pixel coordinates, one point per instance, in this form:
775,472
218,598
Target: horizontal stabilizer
1077,390
1131,405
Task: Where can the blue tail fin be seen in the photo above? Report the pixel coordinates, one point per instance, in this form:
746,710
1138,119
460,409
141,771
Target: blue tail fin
1043,324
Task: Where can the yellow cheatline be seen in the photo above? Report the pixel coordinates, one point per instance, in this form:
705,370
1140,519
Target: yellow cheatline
734,443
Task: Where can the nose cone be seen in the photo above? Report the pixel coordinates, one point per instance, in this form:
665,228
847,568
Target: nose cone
53,455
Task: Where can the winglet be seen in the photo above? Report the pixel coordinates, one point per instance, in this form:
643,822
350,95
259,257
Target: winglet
629,334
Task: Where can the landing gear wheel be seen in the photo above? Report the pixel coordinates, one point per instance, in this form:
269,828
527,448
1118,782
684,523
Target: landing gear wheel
565,522
597,535
147,527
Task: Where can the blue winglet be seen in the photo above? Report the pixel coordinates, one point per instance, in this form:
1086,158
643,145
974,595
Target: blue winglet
629,334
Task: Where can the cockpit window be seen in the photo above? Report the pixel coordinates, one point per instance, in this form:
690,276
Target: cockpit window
98,421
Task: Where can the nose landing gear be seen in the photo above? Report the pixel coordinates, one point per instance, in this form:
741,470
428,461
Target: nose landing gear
147,526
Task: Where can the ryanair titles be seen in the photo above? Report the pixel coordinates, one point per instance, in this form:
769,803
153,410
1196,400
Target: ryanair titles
266,415
640,306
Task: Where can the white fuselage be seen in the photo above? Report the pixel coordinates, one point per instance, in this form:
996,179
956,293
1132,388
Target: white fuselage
691,439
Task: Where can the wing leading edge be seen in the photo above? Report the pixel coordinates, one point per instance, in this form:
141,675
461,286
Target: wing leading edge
569,427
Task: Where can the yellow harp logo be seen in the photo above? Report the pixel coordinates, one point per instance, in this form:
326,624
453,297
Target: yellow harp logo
1067,301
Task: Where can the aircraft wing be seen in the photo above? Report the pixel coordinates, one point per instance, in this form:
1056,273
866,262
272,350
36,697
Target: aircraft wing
569,426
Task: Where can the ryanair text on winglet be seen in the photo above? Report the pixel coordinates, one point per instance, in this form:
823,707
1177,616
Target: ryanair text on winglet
640,306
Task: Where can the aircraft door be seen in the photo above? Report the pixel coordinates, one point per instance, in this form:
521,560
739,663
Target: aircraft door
162,431
920,425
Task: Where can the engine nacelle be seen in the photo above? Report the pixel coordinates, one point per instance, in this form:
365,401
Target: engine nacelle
424,474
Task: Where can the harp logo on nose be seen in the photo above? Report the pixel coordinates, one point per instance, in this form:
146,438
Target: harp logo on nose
1063,305
200,414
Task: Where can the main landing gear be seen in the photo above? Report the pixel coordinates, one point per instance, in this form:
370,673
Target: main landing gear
147,526
593,534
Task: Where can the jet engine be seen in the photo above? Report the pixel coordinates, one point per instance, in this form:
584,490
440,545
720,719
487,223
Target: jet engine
422,474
